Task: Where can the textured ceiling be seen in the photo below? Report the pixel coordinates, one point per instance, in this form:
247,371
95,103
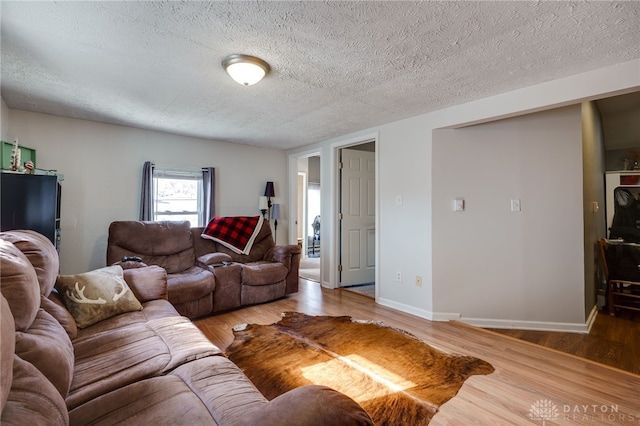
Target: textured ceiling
337,67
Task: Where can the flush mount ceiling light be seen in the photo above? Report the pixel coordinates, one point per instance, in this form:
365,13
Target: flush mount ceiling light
245,69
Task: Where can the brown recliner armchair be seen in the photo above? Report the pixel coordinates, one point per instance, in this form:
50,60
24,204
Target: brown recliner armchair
170,246
267,273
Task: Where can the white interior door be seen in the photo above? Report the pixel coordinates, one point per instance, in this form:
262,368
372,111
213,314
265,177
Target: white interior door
357,224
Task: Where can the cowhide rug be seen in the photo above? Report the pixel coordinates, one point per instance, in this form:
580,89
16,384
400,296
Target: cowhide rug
395,377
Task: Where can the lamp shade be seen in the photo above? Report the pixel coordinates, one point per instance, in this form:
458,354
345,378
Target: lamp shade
275,211
262,203
245,69
269,191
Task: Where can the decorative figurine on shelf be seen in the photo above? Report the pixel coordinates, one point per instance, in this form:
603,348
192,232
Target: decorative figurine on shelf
15,156
29,168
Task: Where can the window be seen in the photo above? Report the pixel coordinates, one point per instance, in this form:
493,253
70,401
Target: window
177,195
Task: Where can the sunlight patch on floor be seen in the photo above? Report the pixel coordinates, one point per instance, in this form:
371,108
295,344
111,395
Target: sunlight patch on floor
334,374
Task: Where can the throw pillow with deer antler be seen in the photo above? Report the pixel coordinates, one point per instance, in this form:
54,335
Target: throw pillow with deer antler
97,295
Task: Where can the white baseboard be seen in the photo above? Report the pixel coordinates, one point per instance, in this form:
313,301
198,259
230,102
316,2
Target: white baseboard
422,313
446,316
495,323
327,284
535,325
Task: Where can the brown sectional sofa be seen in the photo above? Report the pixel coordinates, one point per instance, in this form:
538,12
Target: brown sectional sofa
199,284
143,367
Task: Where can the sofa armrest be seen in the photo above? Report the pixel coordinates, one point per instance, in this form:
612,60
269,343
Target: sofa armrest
54,305
130,264
211,259
147,283
282,254
311,405
289,256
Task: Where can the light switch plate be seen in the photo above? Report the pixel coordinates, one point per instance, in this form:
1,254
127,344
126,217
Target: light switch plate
515,205
458,204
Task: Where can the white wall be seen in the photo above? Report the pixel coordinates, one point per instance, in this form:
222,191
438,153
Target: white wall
405,166
404,230
490,262
4,121
102,167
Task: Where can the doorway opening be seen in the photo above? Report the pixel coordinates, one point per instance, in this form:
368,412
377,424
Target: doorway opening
309,218
357,218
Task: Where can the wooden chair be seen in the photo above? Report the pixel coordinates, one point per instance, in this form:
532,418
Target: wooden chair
621,266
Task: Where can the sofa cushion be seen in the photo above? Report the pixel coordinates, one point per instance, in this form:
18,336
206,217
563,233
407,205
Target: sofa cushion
126,348
7,349
184,341
254,294
148,283
54,305
165,243
263,273
153,309
191,284
223,387
196,308
165,400
115,358
160,308
34,398
214,259
41,254
213,391
19,284
48,348
315,406
97,295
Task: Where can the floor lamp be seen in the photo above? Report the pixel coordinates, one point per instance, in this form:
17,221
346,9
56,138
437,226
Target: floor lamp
269,192
275,214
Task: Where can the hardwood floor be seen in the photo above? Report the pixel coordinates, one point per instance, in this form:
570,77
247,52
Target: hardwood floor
532,385
613,341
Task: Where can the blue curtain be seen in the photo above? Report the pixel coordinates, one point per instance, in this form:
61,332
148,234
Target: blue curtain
146,200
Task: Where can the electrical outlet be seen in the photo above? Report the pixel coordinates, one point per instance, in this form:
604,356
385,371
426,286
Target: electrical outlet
419,280
399,276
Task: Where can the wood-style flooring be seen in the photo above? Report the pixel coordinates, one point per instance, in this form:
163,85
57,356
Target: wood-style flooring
532,385
613,341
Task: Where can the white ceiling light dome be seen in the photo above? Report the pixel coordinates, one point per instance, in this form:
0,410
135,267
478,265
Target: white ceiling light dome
245,69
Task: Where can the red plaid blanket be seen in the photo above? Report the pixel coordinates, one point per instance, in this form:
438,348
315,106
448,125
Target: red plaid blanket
234,232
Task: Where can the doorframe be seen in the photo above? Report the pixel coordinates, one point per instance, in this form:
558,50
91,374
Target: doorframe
335,205
305,182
